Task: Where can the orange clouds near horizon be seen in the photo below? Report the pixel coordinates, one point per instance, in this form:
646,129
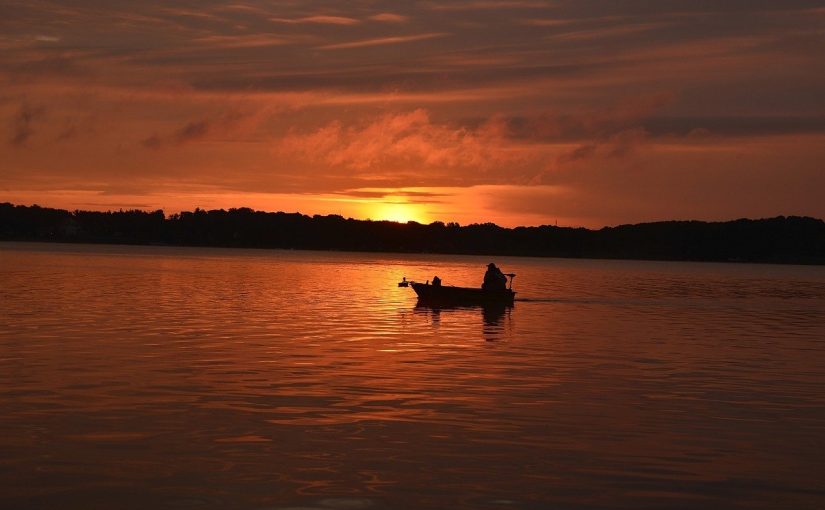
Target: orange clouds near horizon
510,112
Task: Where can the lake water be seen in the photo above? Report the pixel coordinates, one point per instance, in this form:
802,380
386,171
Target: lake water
155,377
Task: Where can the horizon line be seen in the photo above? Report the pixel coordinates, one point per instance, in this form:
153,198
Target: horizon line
166,216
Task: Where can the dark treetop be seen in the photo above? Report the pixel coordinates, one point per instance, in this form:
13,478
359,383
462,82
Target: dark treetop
777,240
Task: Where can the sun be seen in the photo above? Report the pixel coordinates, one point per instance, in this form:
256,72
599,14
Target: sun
401,212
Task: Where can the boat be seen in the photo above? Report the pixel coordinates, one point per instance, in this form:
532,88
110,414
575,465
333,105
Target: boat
457,296
449,295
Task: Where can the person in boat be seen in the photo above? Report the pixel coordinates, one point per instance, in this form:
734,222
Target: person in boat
436,281
494,279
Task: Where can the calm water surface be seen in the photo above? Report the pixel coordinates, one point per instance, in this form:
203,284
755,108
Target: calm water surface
153,377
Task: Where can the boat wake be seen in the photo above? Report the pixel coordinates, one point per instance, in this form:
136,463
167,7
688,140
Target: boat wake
580,301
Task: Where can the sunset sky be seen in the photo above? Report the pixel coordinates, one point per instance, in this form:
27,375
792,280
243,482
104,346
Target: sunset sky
519,112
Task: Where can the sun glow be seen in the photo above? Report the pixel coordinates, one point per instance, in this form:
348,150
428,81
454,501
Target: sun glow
401,212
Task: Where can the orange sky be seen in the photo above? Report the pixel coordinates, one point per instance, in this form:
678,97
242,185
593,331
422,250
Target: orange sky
580,112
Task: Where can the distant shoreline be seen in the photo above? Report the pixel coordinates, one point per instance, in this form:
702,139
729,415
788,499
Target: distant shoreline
779,240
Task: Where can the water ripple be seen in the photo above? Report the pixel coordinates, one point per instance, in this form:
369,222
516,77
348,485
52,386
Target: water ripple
137,377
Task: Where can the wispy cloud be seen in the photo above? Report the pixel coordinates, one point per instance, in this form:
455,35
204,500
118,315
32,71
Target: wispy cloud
407,141
609,32
382,41
546,22
244,41
319,20
22,123
410,195
191,131
474,5
389,17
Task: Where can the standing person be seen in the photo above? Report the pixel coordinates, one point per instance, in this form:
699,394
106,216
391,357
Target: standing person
494,279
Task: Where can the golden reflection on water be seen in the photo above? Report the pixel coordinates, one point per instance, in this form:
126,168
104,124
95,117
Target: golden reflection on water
189,378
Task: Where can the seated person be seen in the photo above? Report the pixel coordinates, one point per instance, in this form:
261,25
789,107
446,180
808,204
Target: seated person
494,279
436,281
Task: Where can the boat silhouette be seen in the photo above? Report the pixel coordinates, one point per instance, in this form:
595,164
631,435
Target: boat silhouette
448,295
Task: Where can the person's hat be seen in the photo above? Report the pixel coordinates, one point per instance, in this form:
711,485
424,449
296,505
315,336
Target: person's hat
491,265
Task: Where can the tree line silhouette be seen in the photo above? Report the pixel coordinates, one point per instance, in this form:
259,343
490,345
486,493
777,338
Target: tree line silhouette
782,239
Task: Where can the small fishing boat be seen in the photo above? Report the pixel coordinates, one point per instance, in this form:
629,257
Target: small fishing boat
447,295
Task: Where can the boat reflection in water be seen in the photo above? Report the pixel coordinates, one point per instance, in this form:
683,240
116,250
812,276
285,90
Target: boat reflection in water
495,316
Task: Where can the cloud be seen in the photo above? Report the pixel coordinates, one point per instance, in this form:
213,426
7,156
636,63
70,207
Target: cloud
21,125
581,152
409,143
382,41
493,5
244,41
74,126
617,145
488,150
389,17
319,20
410,195
588,125
380,97
330,20
663,182
735,126
546,22
191,131
228,124
152,142
609,32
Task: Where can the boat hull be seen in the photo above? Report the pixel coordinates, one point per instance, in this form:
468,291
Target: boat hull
447,295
